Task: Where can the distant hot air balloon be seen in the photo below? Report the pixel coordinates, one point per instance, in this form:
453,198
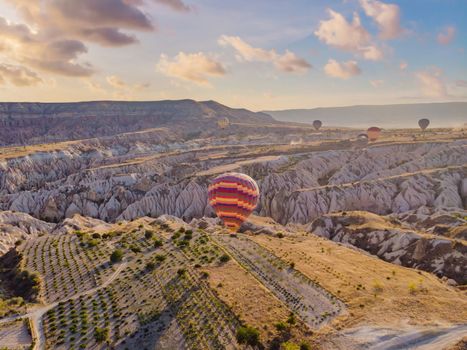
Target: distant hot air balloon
223,123
233,196
362,139
317,124
373,133
423,123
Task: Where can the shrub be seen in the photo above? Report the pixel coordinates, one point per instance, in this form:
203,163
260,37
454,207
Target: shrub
248,335
280,235
135,249
150,265
18,242
116,256
160,257
148,234
377,287
181,272
224,258
412,288
96,235
305,346
158,243
281,326
289,346
101,334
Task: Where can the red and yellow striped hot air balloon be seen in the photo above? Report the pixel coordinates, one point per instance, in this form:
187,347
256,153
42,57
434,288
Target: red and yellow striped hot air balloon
373,133
233,196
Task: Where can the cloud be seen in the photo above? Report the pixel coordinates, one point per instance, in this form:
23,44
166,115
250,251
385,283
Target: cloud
58,56
288,62
461,83
431,83
403,65
348,36
446,35
193,67
176,5
376,83
18,75
343,70
55,34
119,84
386,16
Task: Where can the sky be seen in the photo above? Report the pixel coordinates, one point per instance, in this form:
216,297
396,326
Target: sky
256,54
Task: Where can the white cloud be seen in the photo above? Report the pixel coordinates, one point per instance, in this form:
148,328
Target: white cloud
348,36
343,70
116,82
288,62
403,65
386,16
431,83
18,75
446,35
376,83
194,67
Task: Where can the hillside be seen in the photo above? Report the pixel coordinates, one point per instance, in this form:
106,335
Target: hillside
450,114
31,123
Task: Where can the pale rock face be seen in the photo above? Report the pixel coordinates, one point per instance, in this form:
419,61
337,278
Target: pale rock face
15,226
440,256
294,188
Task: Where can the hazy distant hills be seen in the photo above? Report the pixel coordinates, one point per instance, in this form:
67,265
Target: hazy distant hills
46,122
449,114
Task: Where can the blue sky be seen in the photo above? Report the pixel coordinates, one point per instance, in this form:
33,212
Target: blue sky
273,54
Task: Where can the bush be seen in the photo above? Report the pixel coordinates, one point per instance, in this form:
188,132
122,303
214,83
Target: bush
116,256
158,243
135,249
150,265
289,346
248,335
148,234
160,257
280,235
305,346
101,334
224,258
181,272
96,235
281,326
412,288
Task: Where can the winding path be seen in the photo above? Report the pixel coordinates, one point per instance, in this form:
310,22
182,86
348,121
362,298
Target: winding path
35,316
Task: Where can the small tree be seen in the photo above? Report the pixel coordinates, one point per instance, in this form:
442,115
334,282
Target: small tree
116,256
248,335
101,334
148,234
224,258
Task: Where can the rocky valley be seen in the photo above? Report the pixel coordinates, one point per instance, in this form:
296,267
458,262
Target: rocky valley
340,225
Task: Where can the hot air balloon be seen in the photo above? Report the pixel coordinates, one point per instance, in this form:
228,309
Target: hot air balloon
233,196
223,123
373,133
362,139
423,123
317,124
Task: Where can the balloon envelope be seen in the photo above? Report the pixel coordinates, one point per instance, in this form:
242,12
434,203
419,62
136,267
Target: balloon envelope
423,123
317,124
373,133
233,196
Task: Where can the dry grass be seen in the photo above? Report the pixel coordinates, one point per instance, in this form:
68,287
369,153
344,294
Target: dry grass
376,292
249,299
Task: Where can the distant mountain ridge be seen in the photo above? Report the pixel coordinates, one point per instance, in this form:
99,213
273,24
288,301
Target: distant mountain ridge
449,114
29,122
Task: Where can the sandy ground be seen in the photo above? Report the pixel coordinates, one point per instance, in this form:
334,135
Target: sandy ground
14,335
